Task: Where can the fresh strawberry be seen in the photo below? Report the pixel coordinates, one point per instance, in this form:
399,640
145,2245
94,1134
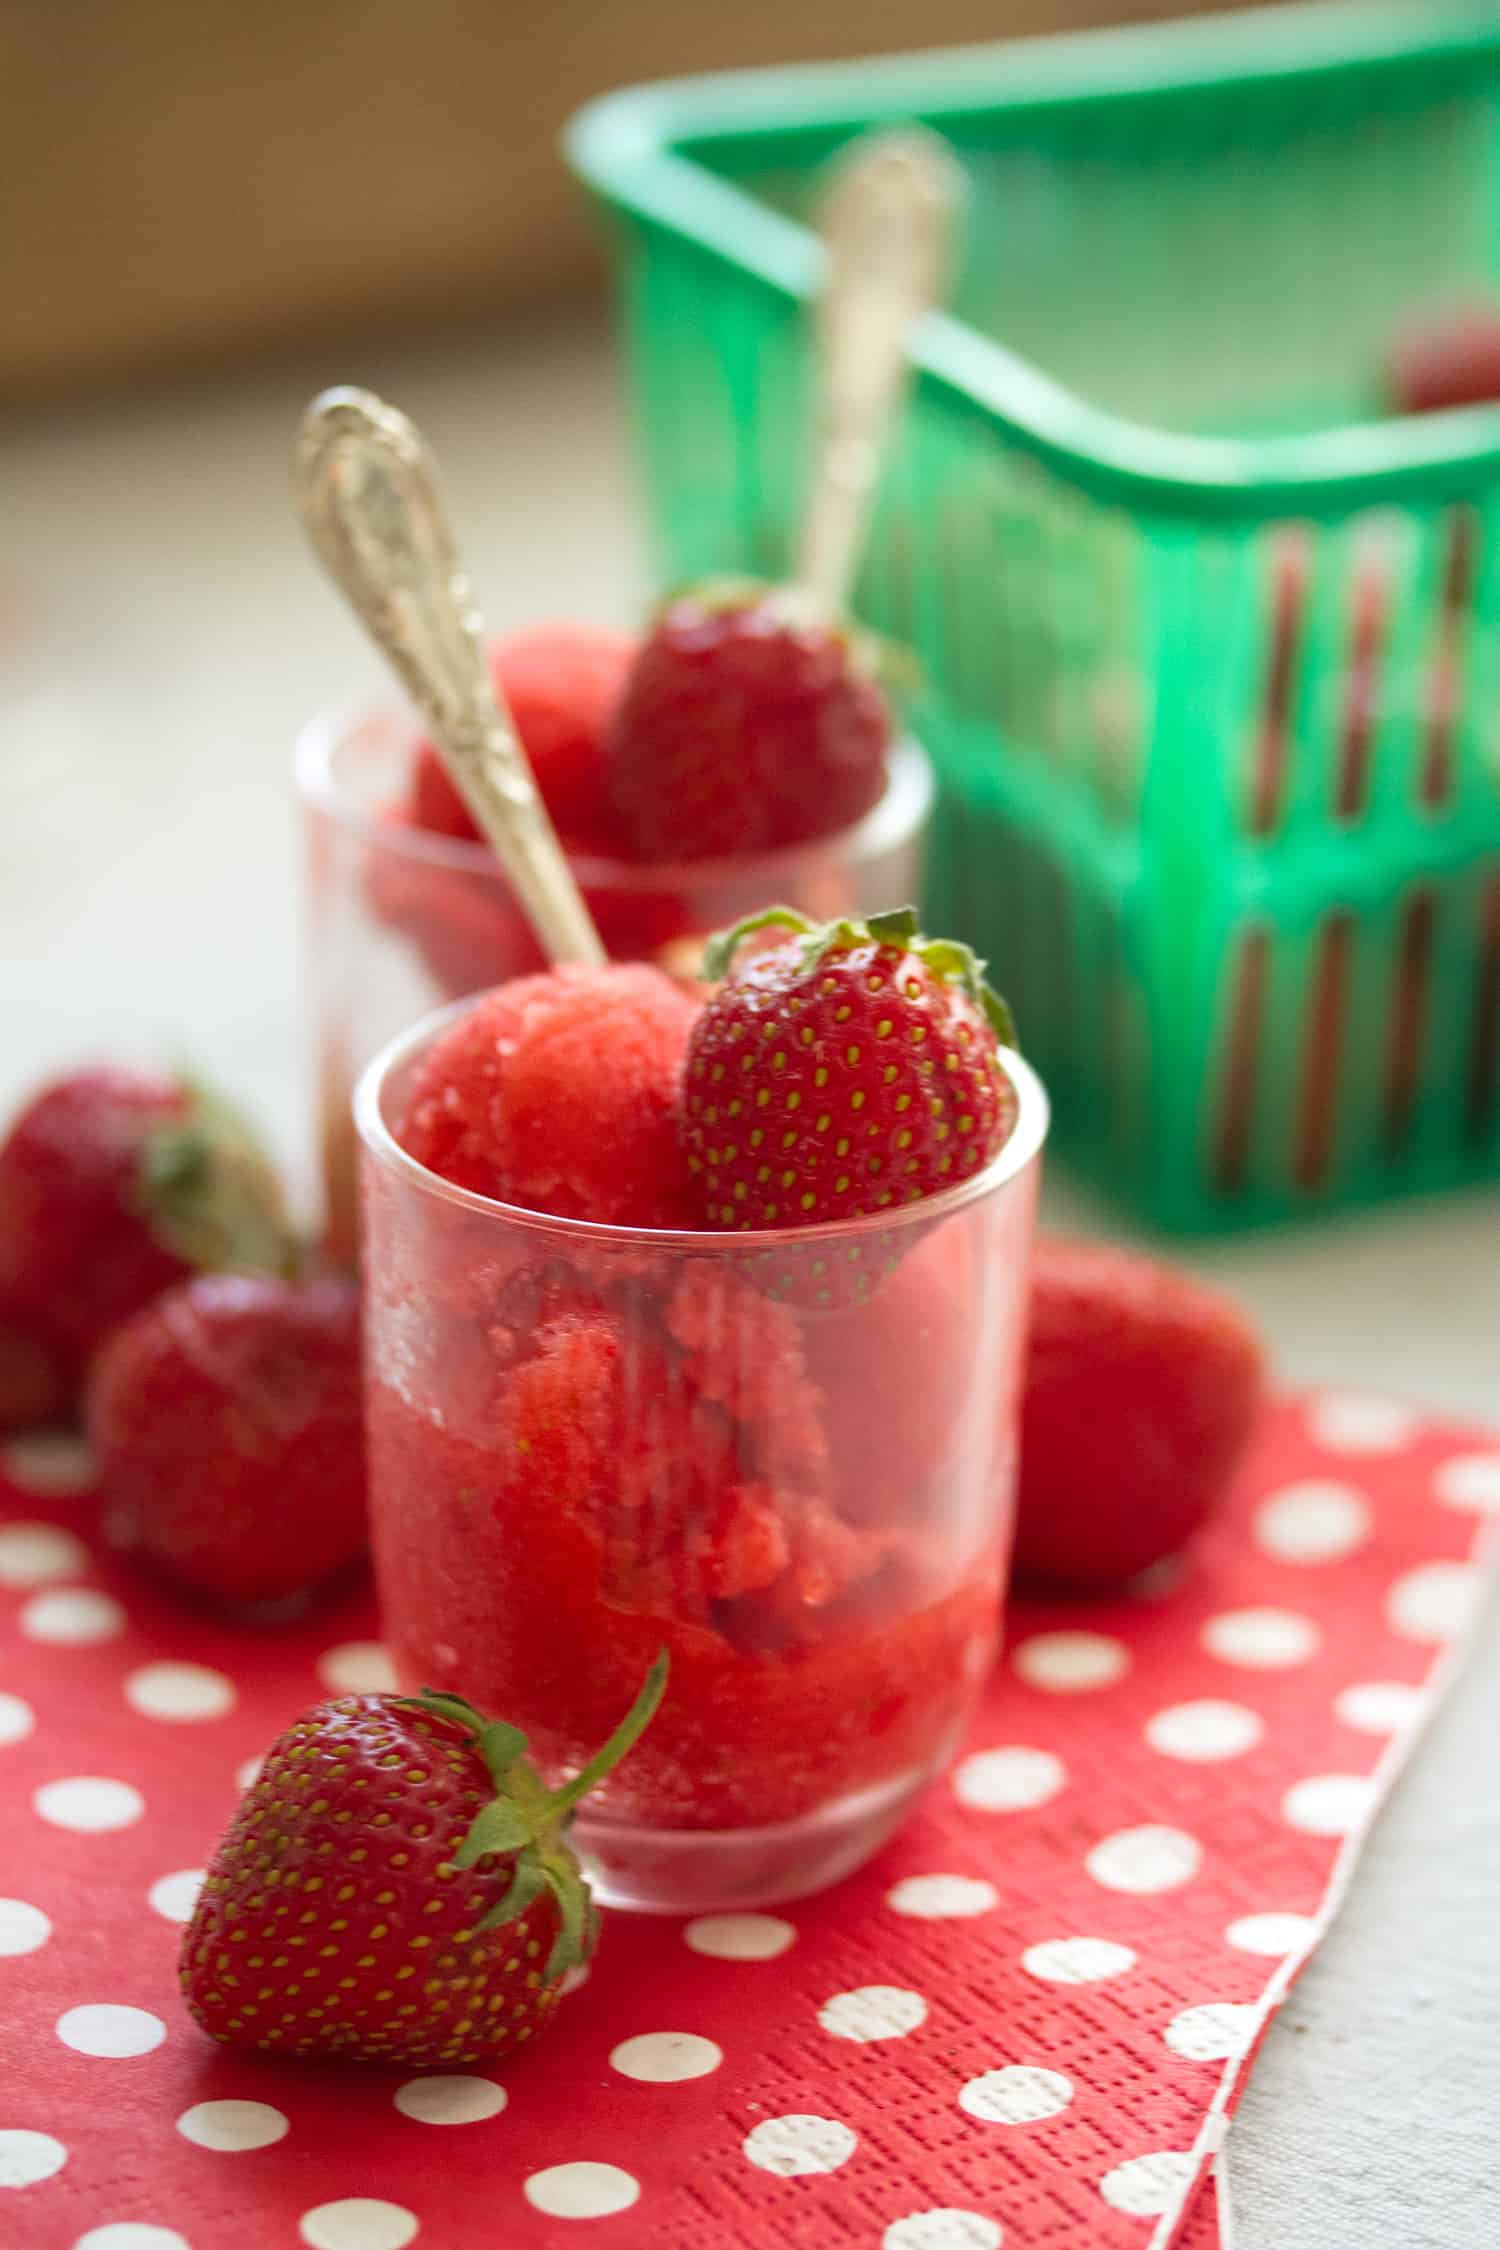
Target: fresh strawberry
844,1069
34,1386
1142,1389
397,1887
562,683
113,1185
226,1418
1451,358
747,722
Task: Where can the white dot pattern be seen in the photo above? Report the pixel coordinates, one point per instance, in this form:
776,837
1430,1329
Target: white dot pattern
1349,1424
51,1463
1145,1859
103,2028
174,1896
179,1692
873,2011
72,1617
1436,1602
1470,1480
454,2100
797,2145
1329,1804
27,2157
1200,1733
739,1937
357,1668
1379,1706
1077,1960
33,1553
1018,2094
1145,2186
1275,1935
1262,1640
665,2058
1212,2032
17,1720
943,2229
132,2234
90,1804
1316,1522
941,1898
1009,1780
23,1927
233,2126
358,2222
582,2190
1071,1663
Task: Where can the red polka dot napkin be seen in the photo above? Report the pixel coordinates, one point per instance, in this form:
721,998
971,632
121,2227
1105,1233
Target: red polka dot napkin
1025,2025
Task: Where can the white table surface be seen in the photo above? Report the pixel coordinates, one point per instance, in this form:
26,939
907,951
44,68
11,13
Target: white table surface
162,633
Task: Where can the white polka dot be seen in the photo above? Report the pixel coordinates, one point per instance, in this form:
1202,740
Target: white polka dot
1199,1733
31,1553
1077,1960
16,1719
1010,1780
175,1896
1470,1480
940,1898
1146,2186
179,1691
581,2191
247,1775
358,2222
22,1928
27,2157
357,1668
574,1978
89,1803
1273,1934
1434,1603
739,1937
50,1461
1211,2032
233,2126
1071,1663
1145,1859
1360,1425
796,2145
943,2230
665,2058
1312,1523
1379,1706
132,2234
102,2028
1329,1804
72,1617
1020,2094
873,2011
1263,1640
457,2100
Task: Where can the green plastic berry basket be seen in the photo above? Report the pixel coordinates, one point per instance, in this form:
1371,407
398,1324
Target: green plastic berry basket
1212,644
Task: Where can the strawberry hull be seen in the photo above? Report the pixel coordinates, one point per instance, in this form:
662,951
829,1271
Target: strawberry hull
589,1444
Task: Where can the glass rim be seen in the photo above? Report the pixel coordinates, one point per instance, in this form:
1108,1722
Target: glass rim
1033,1115
901,810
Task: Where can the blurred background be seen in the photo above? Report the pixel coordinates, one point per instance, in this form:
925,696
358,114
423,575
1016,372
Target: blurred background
190,183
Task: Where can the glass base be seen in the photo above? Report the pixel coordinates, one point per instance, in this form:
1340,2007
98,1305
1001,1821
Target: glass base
701,1871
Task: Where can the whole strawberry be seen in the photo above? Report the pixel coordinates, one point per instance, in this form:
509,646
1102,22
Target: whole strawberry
1141,1392
397,1887
841,1070
747,723
226,1420
114,1184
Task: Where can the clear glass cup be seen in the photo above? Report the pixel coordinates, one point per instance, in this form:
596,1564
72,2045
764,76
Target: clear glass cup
400,920
589,1443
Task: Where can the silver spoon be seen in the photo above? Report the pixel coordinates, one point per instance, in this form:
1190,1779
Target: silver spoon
370,501
887,222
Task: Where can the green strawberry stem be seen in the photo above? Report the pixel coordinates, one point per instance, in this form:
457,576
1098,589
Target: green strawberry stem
945,957
209,1192
528,1820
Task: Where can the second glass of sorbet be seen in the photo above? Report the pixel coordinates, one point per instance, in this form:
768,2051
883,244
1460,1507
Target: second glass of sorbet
401,919
786,1458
